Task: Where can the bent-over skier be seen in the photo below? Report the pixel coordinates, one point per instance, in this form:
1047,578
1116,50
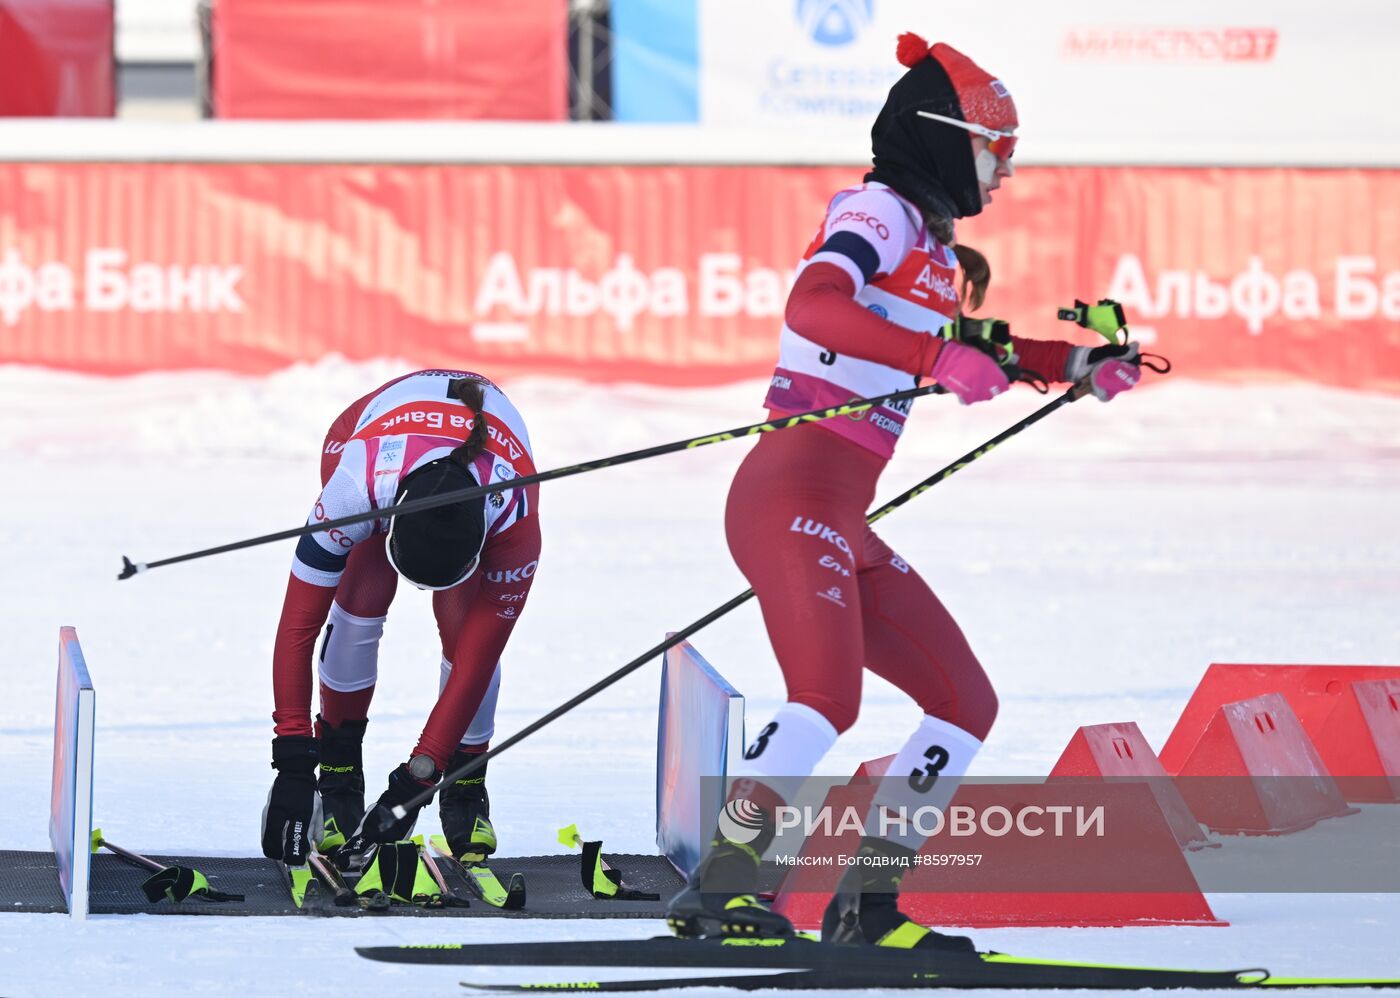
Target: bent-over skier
420,435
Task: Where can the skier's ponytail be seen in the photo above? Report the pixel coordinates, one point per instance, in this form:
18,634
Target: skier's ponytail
976,271
976,275
469,393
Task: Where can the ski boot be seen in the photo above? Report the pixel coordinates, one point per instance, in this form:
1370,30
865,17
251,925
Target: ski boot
465,810
719,898
864,911
341,781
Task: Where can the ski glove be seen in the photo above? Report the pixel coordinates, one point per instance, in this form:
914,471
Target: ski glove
1106,318
292,811
379,824
991,336
968,373
1109,369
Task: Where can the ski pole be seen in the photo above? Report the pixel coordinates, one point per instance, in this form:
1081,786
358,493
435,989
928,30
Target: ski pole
173,882
855,407
401,811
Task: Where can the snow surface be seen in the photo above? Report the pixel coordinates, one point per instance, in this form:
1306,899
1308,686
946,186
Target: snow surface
1098,563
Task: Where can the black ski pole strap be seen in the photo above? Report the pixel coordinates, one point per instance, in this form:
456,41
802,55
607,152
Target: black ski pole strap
598,880
625,893
174,882
1025,376
180,882
855,409
397,871
603,881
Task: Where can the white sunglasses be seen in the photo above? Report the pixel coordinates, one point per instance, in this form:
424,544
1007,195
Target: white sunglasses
1001,144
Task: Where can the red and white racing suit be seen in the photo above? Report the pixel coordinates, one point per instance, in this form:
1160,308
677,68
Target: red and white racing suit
835,598
344,573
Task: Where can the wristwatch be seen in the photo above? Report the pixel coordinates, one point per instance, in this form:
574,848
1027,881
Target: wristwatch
422,767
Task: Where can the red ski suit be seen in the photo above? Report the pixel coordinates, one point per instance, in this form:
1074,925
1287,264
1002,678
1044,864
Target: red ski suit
413,417
873,290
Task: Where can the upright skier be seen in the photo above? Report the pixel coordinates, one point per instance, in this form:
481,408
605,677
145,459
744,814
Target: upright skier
424,434
876,306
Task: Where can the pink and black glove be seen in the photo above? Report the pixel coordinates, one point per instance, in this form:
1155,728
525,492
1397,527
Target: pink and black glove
968,373
1110,369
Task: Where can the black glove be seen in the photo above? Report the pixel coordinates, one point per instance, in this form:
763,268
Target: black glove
291,817
379,825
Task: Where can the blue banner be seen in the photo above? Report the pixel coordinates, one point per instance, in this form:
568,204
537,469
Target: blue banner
655,60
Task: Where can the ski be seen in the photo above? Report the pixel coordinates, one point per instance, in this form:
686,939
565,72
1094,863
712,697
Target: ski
310,893
812,980
848,966
798,980
479,877
297,879
318,888
435,864
331,879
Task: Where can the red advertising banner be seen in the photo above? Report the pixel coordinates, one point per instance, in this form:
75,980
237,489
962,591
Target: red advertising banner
356,59
56,59
665,274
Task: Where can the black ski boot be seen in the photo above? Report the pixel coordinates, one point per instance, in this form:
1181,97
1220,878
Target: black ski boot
719,897
341,781
864,911
465,810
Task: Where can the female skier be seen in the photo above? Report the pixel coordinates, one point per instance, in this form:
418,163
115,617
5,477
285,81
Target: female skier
426,433
875,308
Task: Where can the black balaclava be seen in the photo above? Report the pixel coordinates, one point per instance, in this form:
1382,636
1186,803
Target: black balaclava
927,161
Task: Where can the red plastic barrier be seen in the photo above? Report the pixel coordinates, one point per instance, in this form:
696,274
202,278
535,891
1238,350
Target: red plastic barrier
1357,747
56,59
673,275
1360,741
1120,752
1255,771
1132,874
355,59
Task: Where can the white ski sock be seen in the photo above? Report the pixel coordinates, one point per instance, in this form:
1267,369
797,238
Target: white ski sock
787,750
922,776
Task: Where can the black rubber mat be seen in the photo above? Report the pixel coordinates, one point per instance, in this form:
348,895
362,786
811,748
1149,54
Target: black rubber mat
554,888
29,881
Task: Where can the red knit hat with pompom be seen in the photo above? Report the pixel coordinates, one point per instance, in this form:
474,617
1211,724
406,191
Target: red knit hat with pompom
930,162
984,99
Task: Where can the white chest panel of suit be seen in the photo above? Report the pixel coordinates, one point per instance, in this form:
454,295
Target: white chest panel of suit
914,287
